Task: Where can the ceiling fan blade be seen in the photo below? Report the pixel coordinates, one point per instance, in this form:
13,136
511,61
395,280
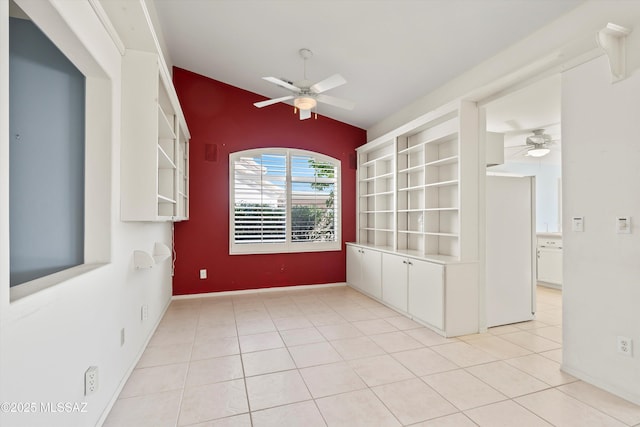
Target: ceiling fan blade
336,102
282,83
305,114
272,101
328,83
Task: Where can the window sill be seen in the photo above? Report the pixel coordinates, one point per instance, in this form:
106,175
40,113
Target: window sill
35,286
274,248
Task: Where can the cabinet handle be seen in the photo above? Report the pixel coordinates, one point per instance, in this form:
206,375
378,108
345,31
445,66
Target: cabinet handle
404,262
409,262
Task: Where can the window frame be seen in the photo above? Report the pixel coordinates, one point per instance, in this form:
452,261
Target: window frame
288,246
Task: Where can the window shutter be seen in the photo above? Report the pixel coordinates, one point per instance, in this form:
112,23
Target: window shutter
313,200
260,199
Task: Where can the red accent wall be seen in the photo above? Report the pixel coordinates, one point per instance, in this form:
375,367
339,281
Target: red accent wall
223,120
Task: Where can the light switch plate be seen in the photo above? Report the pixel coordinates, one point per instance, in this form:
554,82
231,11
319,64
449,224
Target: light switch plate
577,223
623,224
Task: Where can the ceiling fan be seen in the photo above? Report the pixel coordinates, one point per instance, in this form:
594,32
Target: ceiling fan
537,145
306,94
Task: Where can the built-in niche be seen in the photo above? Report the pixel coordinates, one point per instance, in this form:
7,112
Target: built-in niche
47,155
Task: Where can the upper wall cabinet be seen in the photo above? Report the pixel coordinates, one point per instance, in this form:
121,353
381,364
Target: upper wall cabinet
155,143
417,191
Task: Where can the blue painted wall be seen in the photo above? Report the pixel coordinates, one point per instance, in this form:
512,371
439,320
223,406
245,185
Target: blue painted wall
47,116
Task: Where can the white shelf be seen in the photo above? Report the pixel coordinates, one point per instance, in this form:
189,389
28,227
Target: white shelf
377,159
413,188
165,127
440,209
385,175
163,199
164,161
440,234
442,183
441,162
411,169
413,148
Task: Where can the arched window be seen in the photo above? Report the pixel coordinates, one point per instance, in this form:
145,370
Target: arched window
283,200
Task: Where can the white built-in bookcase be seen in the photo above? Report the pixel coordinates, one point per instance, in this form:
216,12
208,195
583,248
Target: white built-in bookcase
417,247
412,193
155,143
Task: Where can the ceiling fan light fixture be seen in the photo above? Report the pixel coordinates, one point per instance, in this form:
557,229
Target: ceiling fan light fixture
538,152
304,103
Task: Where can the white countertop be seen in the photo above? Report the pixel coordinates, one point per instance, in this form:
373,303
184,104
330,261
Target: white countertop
549,234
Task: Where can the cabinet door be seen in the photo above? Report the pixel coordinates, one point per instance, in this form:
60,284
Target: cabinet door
354,266
370,278
394,280
550,265
426,292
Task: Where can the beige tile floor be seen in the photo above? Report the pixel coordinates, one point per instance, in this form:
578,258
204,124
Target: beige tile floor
332,356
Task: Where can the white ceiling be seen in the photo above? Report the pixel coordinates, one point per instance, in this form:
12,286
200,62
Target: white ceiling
536,106
390,51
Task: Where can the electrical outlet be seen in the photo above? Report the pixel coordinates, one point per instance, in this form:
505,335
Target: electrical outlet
203,273
91,380
625,346
144,312
121,337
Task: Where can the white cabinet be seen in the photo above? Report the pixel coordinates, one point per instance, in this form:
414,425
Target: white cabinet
394,280
155,143
550,260
426,292
363,270
442,296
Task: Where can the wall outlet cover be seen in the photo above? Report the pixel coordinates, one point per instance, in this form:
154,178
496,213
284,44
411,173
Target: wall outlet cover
91,380
625,346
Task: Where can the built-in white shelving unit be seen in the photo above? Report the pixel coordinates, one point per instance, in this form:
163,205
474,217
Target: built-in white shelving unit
418,206
155,143
376,193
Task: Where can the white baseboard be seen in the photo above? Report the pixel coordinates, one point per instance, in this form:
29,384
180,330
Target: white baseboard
604,385
261,290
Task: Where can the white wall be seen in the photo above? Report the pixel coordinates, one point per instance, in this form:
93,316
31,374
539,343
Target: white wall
49,339
601,174
547,176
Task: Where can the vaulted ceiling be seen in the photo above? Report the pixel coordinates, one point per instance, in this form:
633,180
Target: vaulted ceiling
391,52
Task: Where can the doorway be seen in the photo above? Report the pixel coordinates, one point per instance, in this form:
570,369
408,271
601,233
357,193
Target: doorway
526,123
